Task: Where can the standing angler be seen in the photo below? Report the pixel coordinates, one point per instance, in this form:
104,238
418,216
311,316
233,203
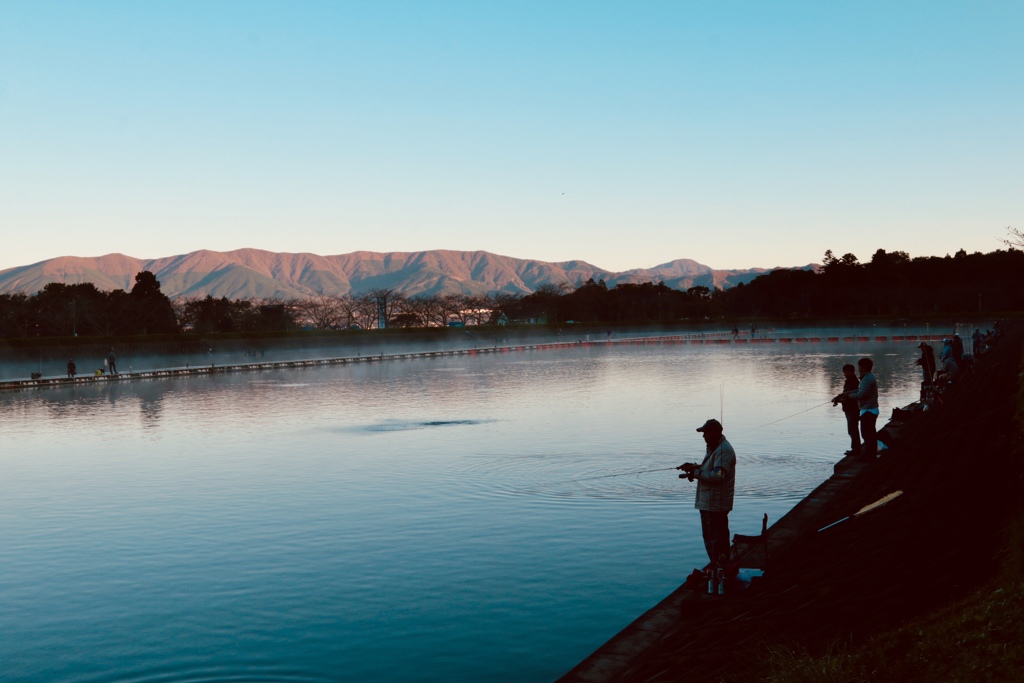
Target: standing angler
866,395
716,486
850,408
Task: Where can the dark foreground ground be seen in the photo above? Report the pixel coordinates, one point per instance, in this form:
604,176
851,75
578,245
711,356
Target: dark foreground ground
927,549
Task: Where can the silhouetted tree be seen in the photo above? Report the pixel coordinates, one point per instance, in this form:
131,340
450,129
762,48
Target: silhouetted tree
320,311
150,310
16,318
211,315
1015,239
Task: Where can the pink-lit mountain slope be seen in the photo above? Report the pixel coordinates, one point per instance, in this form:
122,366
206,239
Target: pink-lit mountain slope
255,273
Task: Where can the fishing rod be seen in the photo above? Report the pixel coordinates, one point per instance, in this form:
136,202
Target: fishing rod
864,510
683,467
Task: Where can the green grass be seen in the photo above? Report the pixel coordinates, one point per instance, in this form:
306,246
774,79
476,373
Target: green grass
979,638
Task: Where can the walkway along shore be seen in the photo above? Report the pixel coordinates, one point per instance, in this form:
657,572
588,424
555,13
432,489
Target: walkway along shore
699,338
833,589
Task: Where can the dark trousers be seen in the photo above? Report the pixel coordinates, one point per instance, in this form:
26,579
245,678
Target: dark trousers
715,528
852,426
867,434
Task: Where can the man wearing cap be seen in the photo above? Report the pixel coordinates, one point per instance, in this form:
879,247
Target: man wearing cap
716,485
947,349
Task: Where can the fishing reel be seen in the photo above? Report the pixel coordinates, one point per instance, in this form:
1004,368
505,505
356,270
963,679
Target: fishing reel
689,471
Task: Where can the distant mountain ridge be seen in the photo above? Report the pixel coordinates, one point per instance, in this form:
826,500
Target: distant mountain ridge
245,273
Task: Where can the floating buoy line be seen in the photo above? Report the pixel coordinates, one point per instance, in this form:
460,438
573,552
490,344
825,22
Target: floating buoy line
214,369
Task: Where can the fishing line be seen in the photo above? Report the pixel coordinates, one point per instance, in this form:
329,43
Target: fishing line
721,402
621,474
794,414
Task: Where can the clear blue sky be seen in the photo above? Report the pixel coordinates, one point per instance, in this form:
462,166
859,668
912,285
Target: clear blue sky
625,134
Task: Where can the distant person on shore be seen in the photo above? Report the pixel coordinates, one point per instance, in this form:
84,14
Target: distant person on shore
112,362
850,408
72,368
866,395
716,486
927,362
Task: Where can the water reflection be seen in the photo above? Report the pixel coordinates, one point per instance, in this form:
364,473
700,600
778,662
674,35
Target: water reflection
308,523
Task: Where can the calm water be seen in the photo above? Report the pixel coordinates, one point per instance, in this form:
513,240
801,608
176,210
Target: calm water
419,520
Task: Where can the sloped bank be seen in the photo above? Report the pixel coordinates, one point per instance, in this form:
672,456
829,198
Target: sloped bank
931,546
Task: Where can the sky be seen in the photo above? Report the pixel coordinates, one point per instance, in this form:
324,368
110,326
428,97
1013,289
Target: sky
623,134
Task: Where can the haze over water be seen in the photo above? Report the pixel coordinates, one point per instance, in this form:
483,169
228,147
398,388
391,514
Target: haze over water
419,520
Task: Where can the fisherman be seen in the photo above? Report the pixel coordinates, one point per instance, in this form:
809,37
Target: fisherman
850,408
867,400
112,361
949,371
72,368
947,350
716,486
926,361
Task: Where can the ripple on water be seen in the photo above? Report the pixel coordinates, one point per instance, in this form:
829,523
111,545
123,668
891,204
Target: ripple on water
240,673
649,477
407,425
563,477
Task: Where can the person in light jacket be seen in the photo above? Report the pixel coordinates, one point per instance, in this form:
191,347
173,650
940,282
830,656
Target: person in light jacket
716,487
867,400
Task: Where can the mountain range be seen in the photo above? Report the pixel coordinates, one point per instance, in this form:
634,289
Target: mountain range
245,273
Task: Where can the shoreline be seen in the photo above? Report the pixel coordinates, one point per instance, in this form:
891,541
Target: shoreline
841,587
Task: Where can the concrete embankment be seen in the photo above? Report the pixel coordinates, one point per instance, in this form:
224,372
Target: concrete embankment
840,586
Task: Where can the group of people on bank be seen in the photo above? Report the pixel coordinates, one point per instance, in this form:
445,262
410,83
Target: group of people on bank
716,473
109,363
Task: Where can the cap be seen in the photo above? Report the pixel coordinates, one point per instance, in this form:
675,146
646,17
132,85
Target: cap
712,424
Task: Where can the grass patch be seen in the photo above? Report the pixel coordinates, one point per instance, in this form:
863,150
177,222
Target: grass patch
980,638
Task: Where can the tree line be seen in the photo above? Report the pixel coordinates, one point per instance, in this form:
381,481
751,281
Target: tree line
890,285
65,310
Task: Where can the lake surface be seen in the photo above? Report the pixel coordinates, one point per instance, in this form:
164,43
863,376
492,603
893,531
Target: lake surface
460,519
